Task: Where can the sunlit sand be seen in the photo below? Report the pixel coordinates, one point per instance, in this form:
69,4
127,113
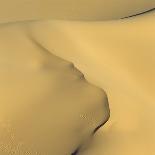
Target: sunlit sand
56,75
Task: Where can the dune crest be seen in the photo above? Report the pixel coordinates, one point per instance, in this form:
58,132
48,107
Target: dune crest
46,103
20,10
47,107
119,57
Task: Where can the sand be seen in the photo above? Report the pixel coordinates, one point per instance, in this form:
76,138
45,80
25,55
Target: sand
48,106
71,9
119,57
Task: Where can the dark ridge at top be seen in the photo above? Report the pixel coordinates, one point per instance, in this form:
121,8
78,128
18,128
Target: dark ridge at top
76,151
147,11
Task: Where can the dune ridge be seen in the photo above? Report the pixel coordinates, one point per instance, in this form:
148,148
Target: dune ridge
119,57
20,10
47,106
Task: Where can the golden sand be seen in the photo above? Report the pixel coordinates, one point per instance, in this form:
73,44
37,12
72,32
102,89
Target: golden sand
119,57
48,107
16,10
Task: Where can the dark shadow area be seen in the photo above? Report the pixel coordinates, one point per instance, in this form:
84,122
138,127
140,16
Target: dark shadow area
76,151
153,9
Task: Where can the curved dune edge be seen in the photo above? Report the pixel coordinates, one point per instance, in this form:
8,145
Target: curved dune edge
20,10
46,105
116,55
119,57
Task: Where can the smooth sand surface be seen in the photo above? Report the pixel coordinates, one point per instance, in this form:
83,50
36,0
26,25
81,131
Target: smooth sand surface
16,10
119,57
46,105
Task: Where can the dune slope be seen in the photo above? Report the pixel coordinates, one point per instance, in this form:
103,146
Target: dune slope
18,10
117,56
46,105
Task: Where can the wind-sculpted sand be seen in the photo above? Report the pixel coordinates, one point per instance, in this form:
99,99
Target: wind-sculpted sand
20,10
47,105
119,57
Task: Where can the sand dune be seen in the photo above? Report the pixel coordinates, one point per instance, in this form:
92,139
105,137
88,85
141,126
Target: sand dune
48,107
119,57
71,10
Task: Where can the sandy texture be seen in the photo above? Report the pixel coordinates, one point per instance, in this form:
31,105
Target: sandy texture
119,57
46,105
16,10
